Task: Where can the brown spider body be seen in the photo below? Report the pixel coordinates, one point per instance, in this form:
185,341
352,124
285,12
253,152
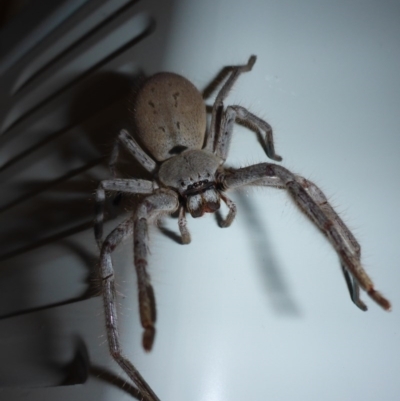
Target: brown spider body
169,115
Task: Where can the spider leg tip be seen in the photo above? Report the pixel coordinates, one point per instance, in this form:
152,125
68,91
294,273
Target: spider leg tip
380,299
361,305
252,60
148,338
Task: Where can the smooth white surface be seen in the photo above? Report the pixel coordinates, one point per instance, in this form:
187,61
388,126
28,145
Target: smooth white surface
261,310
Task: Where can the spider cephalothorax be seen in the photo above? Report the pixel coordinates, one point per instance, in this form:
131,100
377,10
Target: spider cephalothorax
192,175
187,162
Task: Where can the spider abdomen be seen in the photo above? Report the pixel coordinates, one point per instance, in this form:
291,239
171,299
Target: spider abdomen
170,115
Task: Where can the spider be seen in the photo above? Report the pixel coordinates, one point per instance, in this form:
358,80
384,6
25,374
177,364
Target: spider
187,160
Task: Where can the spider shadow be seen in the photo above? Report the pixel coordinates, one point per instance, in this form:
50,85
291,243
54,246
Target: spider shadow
43,208
41,344
42,220
168,233
80,369
271,274
86,262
